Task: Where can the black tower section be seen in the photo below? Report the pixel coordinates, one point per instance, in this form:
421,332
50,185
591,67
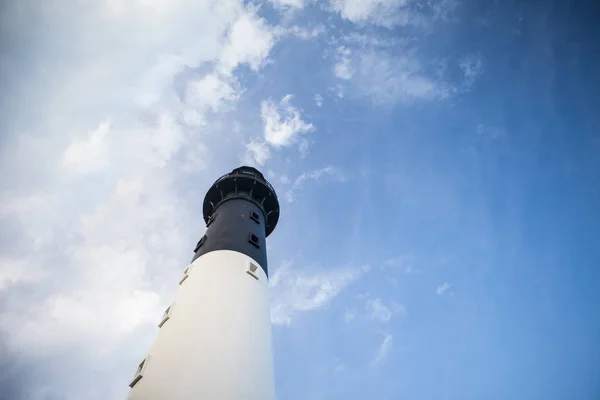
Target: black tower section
240,210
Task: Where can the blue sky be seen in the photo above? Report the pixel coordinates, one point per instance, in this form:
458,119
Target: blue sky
437,164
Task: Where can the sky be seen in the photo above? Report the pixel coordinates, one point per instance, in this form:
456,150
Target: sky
436,161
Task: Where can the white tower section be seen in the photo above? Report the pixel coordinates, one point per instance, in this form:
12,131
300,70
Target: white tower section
214,341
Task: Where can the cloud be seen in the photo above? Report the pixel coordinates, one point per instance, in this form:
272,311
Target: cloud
283,122
19,271
490,132
377,310
372,67
256,153
379,12
343,69
295,4
283,126
471,65
316,175
349,316
249,42
402,263
337,91
389,13
388,79
441,289
211,92
318,100
384,349
88,154
296,291
304,33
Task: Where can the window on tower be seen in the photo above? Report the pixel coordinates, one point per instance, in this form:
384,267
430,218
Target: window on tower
211,219
252,270
166,315
255,217
139,373
254,240
200,243
186,274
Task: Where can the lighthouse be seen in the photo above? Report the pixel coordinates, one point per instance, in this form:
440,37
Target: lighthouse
214,340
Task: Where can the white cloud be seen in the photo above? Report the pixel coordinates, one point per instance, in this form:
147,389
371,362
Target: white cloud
379,12
249,42
343,68
257,153
209,93
389,13
441,289
403,263
318,100
19,271
471,66
337,90
374,68
384,349
390,79
490,132
88,154
296,4
283,179
349,316
328,172
283,126
294,291
283,122
377,310
304,33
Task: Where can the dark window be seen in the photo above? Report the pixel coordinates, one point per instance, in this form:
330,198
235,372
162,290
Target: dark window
211,219
138,374
254,240
200,243
165,317
253,271
255,217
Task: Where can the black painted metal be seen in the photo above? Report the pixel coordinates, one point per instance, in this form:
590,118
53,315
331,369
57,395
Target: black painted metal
245,183
231,206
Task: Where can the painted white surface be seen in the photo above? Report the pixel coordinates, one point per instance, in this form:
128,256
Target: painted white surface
216,344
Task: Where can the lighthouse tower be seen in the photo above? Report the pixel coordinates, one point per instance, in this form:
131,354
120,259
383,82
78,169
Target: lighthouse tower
214,340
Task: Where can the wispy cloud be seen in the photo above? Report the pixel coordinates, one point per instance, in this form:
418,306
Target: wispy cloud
256,152
328,172
441,289
377,310
211,92
343,68
384,349
295,4
471,66
389,79
349,316
490,132
295,291
389,13
249,42
283,124
318,100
